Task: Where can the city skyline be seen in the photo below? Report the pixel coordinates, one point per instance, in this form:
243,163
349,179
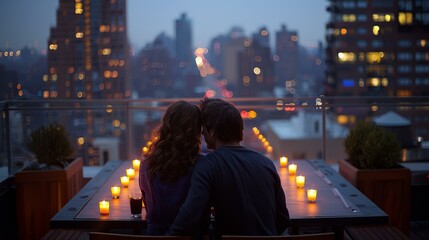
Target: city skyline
146,20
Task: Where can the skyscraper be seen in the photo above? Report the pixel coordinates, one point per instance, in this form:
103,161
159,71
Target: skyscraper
286,59
88,51
379,48
183,41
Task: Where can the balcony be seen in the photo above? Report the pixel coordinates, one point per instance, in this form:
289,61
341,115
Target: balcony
299,128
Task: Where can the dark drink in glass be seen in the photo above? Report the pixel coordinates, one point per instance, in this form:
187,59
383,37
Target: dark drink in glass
136,205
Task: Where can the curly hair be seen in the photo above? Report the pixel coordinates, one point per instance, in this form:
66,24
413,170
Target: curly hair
178,142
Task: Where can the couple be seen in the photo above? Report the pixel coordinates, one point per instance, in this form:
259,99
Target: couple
180,186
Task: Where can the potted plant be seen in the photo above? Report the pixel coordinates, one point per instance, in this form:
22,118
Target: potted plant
372,165
44,187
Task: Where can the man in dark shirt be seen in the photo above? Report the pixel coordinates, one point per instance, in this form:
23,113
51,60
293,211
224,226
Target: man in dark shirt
241,185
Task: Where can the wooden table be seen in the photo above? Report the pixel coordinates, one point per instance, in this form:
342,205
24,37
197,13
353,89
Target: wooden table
338,202
345,206
82,211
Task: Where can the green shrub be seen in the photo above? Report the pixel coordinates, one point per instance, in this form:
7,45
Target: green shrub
51,145
369,146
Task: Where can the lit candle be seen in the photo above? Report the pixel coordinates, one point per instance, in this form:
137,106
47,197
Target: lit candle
283,161
136,164
300,181
311,195
292,169
130,173
125,181
104,207
116,191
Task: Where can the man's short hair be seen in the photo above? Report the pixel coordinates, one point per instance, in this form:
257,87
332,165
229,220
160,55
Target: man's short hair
223,118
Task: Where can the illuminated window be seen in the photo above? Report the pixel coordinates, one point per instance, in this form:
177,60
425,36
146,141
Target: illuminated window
53,46
405,18
373,82
343,31
422,43
375,30
383,17
78,8
348,83
374,57
346,57
349,18
79,94
403,93
256,70
106,51
54,77
79,35
45,77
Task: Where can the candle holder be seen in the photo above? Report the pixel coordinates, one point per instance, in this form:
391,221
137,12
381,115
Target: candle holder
136,164
300,181
283,161
292,169
116,191
125,181
131,173
312,195
104,207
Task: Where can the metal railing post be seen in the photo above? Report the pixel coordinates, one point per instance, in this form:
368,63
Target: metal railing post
8,140
323,127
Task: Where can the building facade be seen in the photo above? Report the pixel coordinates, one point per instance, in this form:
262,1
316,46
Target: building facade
379,48
88,51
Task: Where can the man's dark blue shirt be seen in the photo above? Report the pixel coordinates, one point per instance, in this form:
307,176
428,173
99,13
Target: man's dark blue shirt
245,190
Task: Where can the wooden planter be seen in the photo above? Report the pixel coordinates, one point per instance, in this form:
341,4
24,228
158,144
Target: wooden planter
388,188
41,194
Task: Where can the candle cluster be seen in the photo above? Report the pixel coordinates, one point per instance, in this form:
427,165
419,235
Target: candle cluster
299,180
130,174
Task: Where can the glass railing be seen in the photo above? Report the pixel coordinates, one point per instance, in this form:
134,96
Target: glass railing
299,128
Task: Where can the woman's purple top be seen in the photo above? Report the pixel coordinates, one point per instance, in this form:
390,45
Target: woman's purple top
162,199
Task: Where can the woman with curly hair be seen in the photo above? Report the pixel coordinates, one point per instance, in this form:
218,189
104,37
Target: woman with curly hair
165,172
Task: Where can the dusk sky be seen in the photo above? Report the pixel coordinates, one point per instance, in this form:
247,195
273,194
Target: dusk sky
27,22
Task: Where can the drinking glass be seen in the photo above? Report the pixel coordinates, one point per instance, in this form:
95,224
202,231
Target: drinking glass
136,202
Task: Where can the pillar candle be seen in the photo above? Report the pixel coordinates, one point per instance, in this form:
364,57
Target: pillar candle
125,181
130,173
300,181
136,164
104,207
292,169
116,191
283,161
311,195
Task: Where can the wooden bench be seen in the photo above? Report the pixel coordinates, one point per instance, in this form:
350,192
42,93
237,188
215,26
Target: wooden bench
66,234
374,233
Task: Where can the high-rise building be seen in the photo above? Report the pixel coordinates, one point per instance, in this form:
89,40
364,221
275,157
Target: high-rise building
379,48
154,70
256,69
88,59
183,41
286,59
88,51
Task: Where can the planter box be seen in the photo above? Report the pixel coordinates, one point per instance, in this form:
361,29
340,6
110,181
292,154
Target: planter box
388,188
41,194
